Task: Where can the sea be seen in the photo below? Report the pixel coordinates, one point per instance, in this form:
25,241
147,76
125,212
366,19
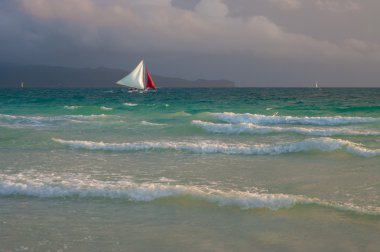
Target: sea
240,169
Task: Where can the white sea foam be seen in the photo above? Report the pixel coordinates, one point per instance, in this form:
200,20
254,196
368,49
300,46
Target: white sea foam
148,192
275,119
130,104
207,147
105,108
152,124
71,107
85,117
258,129
21,121
50,185
44,119
51,118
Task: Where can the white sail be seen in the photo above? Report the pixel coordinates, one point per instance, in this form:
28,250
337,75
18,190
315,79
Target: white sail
135,79
316,85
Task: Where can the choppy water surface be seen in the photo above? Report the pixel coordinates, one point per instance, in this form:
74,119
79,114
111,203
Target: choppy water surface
190,169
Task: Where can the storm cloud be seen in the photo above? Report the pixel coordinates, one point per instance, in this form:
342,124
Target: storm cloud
255,43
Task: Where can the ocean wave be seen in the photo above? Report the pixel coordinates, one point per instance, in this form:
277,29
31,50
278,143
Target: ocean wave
275,119
50,186
207,147
105,108
84,117
20,121
129,104
83,186
152,124
257,129
179,114
71,107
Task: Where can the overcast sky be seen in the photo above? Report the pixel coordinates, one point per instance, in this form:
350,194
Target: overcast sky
251,42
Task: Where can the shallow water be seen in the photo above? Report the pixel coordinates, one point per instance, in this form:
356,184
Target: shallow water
190,169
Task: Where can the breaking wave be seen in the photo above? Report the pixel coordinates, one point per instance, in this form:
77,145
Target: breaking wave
258,129
130,104
270,120
71,107
20,121
105,108
207,147
35,184
152,124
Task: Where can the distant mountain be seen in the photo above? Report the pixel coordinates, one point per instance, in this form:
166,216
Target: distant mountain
33,76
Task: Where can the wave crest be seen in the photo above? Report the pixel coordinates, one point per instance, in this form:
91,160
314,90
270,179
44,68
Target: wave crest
71,107
206,147
105,108
270,120
152,124
50,186
21,121
258,129
82,186
129,104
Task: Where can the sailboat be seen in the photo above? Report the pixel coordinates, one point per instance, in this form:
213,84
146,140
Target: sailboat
316,84
139,79
22,85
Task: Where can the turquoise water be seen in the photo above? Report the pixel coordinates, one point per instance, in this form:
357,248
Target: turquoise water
190,170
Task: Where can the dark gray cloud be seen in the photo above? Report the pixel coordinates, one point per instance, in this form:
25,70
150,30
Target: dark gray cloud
253,42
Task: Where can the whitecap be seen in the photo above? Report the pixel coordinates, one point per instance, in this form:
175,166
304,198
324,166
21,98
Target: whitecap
105,108
71,107
130,104
34,184
19,121
152,124
207,147
37,122
85,117
275,119
51,186
258,129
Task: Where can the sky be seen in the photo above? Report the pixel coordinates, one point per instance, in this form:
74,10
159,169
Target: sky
251,42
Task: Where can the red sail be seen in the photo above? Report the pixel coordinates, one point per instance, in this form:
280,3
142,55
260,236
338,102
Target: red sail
149,82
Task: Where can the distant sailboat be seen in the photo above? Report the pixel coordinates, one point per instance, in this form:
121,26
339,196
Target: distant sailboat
22,85
138,79
316,84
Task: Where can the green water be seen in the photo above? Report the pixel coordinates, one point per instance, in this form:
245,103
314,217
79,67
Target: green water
190,170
